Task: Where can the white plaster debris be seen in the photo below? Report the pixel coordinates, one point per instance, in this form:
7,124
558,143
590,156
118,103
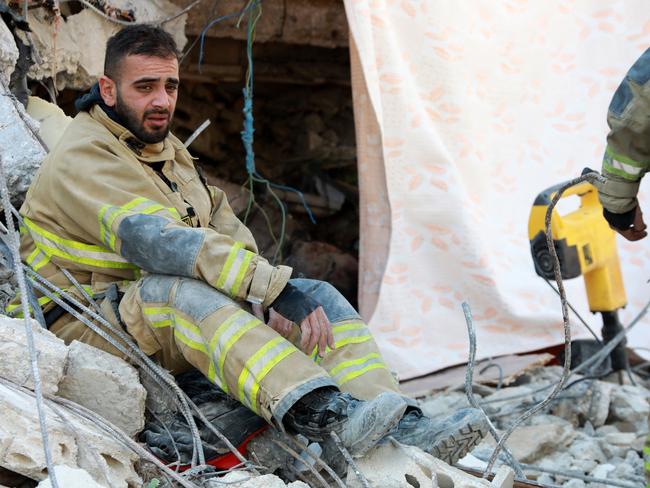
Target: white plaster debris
105,384
80,68
8,53
241,479
76,443
70,478
596,428
22,154
15,364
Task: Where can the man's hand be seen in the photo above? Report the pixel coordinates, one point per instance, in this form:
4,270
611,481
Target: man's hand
316,330
279,324
638,229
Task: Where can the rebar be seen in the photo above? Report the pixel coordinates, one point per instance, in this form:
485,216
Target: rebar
14,244
346,454
471,331
566,370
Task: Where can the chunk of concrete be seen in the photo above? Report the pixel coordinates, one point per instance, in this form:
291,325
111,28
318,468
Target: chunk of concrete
393,465
550,434
21,152
105,384
15,365
76,68
630,404
240,479
70,478
8,53
74,442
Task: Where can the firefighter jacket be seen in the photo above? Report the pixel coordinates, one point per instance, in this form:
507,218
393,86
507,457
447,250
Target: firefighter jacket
109,208
627,156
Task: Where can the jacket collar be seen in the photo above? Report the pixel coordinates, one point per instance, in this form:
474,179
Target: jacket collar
147,153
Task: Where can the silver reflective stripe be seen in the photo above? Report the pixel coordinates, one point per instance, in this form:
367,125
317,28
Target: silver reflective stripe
627,168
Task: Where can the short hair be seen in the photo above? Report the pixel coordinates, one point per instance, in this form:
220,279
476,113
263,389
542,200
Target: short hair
140,39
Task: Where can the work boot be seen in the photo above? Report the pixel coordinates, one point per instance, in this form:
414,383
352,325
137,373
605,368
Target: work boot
448,439
359,424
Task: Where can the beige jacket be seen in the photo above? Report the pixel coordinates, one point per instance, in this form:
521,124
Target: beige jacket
98,208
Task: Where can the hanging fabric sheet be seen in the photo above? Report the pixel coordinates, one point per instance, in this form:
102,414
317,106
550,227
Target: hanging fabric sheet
465,111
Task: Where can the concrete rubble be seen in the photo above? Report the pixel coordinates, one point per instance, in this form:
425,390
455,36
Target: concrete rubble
595,429
74,441
106,385
72,67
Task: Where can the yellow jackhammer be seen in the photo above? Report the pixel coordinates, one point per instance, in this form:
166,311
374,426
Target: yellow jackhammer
586,246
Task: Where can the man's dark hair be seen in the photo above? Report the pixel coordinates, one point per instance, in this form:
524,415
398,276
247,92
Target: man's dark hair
137,39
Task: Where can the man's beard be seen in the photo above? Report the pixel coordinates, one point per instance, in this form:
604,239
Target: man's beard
135,125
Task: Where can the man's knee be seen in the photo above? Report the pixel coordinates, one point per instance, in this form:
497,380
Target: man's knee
192,297
336,307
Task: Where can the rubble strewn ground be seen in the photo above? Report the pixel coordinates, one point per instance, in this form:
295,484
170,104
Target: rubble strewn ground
595,429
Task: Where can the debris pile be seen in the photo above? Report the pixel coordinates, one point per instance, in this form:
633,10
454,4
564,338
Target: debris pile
595,429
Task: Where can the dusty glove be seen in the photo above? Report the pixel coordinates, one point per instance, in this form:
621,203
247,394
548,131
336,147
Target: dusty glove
293,304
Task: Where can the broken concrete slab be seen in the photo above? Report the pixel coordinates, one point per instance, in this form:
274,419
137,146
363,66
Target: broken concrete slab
393,465
76,68
550,434
8,53
105,384
70,478
20,149
244,479
15,365
74,442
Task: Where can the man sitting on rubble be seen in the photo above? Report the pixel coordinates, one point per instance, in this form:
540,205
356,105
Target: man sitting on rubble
119,201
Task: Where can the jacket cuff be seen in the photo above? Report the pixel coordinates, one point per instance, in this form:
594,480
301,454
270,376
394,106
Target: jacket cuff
620,221
279,278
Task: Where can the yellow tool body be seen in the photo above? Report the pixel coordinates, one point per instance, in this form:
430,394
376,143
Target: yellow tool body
585,245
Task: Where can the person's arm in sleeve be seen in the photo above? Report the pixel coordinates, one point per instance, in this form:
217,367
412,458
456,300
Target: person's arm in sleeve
627,156
117,214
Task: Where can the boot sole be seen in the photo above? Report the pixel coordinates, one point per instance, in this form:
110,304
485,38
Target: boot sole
459,442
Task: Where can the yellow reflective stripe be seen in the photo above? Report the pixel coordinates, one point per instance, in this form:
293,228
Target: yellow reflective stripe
32,256
77,252
352,340
242,272
251,362
226,267
174,213
354,374
39,231
40,258
231,342
42,301
51,251
353,362
189,334
269,366
349,326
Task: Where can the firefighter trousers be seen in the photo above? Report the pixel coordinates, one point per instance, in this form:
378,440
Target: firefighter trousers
185,323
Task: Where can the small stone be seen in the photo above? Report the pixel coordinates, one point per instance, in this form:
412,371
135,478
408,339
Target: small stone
240,479
587,449
105,384
573,483
602,470
583,465
621,439
443,404
630,404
